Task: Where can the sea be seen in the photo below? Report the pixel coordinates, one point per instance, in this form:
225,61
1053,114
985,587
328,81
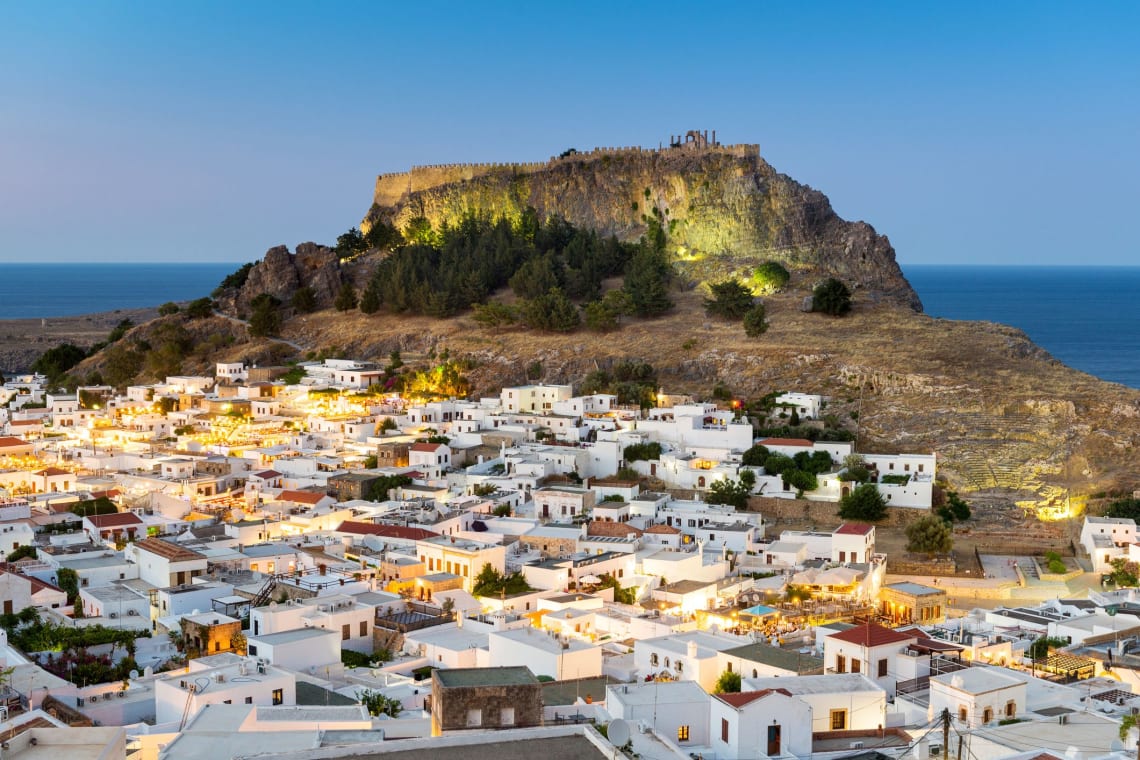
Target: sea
1086,317
64,290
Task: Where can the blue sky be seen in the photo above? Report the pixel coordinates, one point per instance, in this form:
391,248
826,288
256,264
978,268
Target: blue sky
975,134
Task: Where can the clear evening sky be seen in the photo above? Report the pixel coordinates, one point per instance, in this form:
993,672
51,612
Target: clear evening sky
985,134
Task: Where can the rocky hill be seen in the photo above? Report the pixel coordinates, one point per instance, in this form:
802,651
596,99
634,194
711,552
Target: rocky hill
1004,417
726,209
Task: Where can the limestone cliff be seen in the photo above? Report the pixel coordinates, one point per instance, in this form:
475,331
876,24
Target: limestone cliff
726,210
281,273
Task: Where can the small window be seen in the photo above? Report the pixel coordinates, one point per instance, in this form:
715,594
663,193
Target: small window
724,730
838,720
855,665
252,650
653,659
962,714
249,700
363,627
682,733
883,668
278,696
987,715
1010,709
840,664
346,632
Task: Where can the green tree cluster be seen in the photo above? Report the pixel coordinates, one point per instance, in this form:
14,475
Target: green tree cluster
1125,508
304,300
732,492
447,271
57,360
730,300
955,508
642,451
864,503
831,297
770,277
929,535
729,682
382,487
1124,574
266,317
490,582
550,312
1040,648
621,595
631,381
756,321
233,281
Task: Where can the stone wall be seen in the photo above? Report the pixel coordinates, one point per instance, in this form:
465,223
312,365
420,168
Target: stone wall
451,706
824,515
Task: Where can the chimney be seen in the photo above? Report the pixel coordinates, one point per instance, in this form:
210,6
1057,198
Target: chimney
459,620
692,650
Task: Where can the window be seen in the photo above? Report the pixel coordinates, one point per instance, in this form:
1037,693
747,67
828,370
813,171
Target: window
855,665
1010,709
278,696
962,713
363,627
679,666
682,733
724,730
249,700
840,664
252,650
345,632
883,668
838,720
653,659
987,715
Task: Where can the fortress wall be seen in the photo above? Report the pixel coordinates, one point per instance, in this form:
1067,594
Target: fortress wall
390,188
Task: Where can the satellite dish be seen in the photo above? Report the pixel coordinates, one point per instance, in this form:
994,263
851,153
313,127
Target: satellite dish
618,732
133,675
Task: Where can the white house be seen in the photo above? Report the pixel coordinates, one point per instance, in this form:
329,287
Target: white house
533,398
1107,538
163,564
853,542
806,405
838,702
340,613
545,653
221,679
977,696
302,649
688,656
676,709
18,592
760,724
231,372
867,649
463,557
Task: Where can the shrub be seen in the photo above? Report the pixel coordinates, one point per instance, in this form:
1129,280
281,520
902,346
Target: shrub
200,308
168,308
929,535
770,277
304,300
864,503
730,300
642,451
831,297
756,321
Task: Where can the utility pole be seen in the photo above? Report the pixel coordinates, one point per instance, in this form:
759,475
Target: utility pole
946,734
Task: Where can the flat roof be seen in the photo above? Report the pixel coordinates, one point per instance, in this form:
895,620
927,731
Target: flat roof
288,637
832,683
506,676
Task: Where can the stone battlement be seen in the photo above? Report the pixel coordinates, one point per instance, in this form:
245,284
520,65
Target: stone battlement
393,186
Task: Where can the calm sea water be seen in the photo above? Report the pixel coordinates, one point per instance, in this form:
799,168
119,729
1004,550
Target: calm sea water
61,290
1087,317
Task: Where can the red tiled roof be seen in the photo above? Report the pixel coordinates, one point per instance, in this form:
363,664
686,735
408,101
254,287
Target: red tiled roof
111,494
385,531
786,442
871,634
666,530
854,529
116,520
429,447
18,423
167,550
52,472
301,497
740,699
603,528
266,474
36,584
8,441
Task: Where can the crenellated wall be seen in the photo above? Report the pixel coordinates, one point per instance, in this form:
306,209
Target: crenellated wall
390,188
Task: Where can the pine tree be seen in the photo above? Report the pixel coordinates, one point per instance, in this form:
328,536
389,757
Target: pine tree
345,298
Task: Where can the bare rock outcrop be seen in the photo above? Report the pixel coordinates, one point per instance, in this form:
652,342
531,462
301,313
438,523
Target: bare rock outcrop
280,273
